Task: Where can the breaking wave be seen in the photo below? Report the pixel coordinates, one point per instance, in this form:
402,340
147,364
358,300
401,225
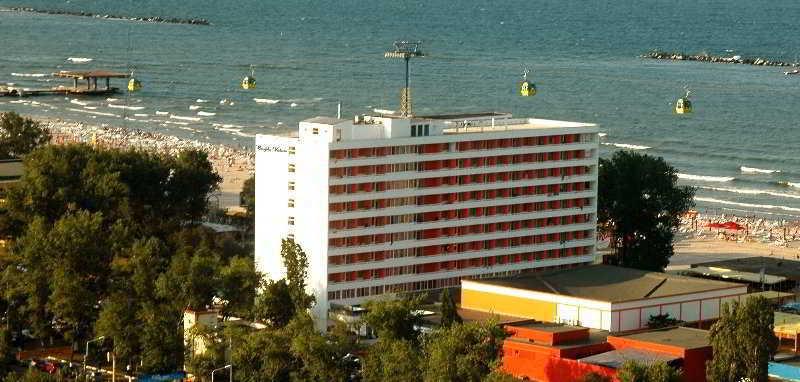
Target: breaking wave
626,146
753,170
748,205
706,178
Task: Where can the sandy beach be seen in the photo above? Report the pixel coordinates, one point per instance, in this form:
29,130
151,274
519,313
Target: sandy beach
234,165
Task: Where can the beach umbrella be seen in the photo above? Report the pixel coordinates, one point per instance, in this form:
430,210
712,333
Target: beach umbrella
732,226
715,225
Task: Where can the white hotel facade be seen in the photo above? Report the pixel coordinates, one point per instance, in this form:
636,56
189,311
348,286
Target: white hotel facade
393,204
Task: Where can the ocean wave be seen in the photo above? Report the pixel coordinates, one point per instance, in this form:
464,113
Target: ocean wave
90,107
200,100
79,60
126,107
706,178
141,115
162,113
194,107
28,74
176,123
193,119
753,170
626,146
748,205
78,102
601,135
266,100
95,112
751,192
112,99
206,114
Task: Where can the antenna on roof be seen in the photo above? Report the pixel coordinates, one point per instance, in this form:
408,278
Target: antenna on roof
406,50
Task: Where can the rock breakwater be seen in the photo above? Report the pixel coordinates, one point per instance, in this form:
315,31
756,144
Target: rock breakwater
723,60
149,19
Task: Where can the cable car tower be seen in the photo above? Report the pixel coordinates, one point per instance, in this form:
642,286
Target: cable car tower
406,50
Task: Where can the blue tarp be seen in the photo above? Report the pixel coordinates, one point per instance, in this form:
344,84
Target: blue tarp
162,377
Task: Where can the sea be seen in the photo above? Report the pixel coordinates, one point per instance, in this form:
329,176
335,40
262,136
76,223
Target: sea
740,147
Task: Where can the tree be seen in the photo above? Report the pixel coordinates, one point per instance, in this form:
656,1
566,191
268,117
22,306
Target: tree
295,261
640,204
392,360
395,318
659,321
499,376
274,304
743,342
20,136
449,310
594,377
632,371
247,198
462,352
5,351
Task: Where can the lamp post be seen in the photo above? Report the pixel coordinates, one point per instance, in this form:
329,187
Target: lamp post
223,368
87,352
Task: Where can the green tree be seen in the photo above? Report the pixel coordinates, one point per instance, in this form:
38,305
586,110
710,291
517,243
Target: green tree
640,203
632,371
449,310
743,342
594,377
392,360
319,356
659,321
20,136
499,376
264,356
395,318
274,304
247,198
462,352
6,351
295,261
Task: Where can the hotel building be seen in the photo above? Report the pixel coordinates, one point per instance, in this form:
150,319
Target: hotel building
387,204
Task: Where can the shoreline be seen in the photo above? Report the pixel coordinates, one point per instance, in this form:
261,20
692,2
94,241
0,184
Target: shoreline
234,165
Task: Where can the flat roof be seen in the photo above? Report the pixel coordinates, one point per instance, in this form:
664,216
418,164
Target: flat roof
469,315
732,274
461,116
596,336
615,358
550,327
608,283
90,73
772,266
325,120
682,337
510,124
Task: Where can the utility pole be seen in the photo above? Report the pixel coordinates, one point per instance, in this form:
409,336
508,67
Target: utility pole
406,50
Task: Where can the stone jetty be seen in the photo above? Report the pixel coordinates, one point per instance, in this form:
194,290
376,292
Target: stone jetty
150,19
723,60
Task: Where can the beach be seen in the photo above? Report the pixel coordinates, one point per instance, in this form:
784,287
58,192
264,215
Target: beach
234,165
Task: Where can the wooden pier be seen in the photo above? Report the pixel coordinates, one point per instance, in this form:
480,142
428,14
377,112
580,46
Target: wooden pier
91,88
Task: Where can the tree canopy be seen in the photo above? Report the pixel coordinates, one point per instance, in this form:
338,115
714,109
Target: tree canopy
632,371
395,318
247,197
640,205
743,342
449,310
20,136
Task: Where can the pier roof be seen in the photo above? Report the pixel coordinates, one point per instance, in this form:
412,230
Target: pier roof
90,74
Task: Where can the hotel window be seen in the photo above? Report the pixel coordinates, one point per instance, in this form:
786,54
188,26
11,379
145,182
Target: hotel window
419,130
291,202
413,131
291,220
290,237
427,130
291,186
291,150
291,167
315,131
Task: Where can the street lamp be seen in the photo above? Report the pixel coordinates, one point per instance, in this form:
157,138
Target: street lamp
223,368
87,352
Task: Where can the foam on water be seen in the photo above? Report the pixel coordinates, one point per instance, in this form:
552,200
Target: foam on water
747,205
753,170
266,100
162,113
28,74
206,114
706,178
193,119
194,107
126,107
751,192
626,146
200,100
79,60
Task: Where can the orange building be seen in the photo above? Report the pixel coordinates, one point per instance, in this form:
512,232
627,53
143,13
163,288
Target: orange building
561,353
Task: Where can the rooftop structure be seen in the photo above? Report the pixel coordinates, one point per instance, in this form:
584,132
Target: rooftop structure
387,203
600,296
549,353
789,269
